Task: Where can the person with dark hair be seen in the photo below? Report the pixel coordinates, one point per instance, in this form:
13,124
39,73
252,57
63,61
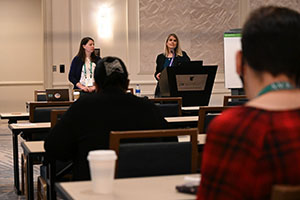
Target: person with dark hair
83,65
86,125
173,56
250,148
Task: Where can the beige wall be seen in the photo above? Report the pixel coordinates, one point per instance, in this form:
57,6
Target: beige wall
21,53
37,34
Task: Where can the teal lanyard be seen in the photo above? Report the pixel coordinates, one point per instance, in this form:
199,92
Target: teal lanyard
276,86
91,70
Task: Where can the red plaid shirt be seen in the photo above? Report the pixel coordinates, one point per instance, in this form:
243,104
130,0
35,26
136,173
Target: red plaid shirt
247,151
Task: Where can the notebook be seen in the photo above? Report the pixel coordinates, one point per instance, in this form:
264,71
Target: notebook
57,94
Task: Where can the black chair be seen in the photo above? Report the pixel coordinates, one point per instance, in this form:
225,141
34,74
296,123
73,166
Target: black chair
41,111
62,170
154,158
56,116
206,115
169,106
234,100
40,95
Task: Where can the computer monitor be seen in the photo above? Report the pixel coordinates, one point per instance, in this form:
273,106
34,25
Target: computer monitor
97,52
194,63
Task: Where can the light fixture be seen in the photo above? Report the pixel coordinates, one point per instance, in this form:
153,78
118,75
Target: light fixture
105,22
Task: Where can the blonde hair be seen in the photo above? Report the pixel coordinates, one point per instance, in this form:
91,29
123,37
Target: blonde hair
178,51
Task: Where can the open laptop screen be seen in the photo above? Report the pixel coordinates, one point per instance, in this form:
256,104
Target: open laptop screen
57,94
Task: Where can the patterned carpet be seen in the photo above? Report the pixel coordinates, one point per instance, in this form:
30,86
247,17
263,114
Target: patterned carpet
6,164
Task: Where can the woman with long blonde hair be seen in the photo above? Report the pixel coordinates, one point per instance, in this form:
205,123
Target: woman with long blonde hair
173,56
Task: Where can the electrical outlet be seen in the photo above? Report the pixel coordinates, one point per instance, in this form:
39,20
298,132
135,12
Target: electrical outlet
54,68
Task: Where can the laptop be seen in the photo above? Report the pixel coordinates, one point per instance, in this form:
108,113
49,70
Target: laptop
57,94
195,63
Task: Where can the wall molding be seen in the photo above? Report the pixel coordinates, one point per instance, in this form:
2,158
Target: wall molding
18,83
62,84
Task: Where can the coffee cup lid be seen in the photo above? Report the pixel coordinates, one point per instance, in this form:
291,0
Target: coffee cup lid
102,155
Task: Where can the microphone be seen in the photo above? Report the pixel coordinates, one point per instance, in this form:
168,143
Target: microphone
173,52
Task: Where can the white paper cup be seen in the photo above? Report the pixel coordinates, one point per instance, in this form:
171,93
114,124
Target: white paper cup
76,95
102,168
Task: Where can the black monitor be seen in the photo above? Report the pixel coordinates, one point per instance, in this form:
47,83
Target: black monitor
195,63
97,52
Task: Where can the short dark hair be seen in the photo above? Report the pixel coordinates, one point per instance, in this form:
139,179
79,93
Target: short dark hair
111,71
271,41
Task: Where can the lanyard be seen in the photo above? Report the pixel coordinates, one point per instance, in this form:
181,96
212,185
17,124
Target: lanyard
172,60
91,70
276,86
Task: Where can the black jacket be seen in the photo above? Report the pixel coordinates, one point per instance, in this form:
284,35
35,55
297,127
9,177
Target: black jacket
76,69
87,124
160,60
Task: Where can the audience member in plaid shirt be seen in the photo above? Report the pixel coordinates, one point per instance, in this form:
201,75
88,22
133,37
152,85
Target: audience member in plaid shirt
253,147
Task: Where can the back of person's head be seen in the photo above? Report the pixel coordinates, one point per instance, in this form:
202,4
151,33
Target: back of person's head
81,51
111,72
271,41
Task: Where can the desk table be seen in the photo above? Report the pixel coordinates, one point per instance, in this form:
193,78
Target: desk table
26,128
186,138
183,121
190,110
13,117
33,151
158,187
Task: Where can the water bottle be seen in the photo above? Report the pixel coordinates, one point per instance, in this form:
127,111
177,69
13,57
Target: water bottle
137,90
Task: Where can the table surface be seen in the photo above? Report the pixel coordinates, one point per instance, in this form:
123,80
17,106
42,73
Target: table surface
186,138
34,146
159,187
38,146
48,124
182,119
190,108
24,126
14,114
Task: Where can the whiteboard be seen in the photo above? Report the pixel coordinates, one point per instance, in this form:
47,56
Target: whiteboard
232,44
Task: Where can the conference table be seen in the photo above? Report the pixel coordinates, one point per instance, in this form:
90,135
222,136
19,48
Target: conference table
34,150
34,153
27,129
13,117
157,187
190,110
183,121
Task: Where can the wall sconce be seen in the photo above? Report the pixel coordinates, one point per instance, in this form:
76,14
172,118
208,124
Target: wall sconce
105,22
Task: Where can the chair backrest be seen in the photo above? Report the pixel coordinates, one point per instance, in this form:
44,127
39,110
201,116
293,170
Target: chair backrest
206,114
234,100
56,116
41,111
169,106
39,95
154,158
285,192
